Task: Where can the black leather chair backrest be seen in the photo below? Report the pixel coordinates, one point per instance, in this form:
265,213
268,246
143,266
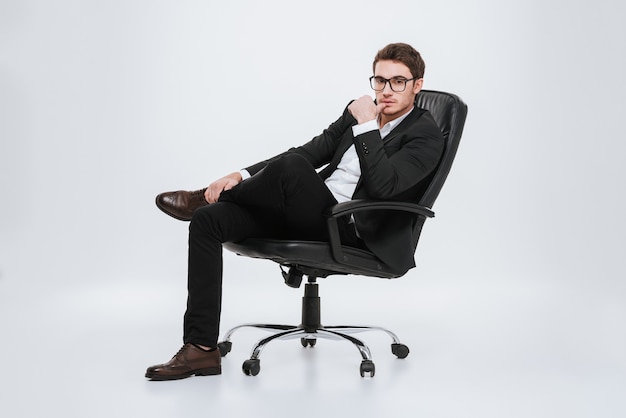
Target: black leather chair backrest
449,111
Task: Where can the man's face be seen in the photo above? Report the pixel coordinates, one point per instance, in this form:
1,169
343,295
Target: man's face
396,103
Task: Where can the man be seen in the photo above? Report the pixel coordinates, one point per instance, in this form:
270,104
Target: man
383,149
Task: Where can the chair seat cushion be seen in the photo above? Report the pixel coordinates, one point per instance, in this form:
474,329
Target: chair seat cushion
313,256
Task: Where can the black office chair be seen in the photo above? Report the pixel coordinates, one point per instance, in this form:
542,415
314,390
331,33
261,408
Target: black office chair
322,259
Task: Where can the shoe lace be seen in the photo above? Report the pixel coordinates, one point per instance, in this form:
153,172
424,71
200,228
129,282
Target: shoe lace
198,192
181,349
197,196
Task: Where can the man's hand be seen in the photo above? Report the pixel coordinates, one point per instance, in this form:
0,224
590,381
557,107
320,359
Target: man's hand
216,188
364,109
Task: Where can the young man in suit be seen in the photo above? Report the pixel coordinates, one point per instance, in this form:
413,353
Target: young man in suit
382,149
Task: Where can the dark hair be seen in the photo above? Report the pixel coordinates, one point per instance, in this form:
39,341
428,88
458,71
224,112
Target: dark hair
405,54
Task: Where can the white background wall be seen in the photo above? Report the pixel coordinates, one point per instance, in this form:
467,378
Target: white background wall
104,104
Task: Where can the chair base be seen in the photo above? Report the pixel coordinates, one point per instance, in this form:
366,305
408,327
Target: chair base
308,332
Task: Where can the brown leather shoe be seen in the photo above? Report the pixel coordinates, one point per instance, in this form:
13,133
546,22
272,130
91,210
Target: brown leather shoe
190,360
181,204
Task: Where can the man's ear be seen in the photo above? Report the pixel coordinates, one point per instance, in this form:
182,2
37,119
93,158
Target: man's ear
417,86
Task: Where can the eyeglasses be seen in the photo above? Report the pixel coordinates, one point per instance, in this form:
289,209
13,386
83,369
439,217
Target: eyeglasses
397,84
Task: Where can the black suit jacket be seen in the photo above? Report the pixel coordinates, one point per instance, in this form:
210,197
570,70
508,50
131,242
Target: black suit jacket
398,168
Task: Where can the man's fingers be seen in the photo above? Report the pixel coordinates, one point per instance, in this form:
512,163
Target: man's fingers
363,109
208,195
213,193
215,189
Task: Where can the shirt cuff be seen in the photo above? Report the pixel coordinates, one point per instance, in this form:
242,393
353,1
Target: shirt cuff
244,174
365,127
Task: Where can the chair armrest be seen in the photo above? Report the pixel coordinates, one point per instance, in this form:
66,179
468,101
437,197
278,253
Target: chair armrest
360,205
353,206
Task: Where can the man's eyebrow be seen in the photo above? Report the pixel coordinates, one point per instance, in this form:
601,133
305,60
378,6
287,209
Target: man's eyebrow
393,76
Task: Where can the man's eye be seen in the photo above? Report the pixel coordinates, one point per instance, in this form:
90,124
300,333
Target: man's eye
398,82
379,80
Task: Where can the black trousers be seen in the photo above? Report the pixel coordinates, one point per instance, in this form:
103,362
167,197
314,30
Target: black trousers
284,200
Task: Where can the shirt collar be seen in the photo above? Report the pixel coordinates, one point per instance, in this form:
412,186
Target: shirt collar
384,131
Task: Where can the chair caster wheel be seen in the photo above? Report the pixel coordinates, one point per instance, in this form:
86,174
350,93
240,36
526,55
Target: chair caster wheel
400,350
251,367
367,366
308,342
224,347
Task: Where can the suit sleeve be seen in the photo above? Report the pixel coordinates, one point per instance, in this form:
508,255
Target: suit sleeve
319,150
388,171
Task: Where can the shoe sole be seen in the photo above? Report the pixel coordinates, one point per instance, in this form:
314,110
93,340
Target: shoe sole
210,371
